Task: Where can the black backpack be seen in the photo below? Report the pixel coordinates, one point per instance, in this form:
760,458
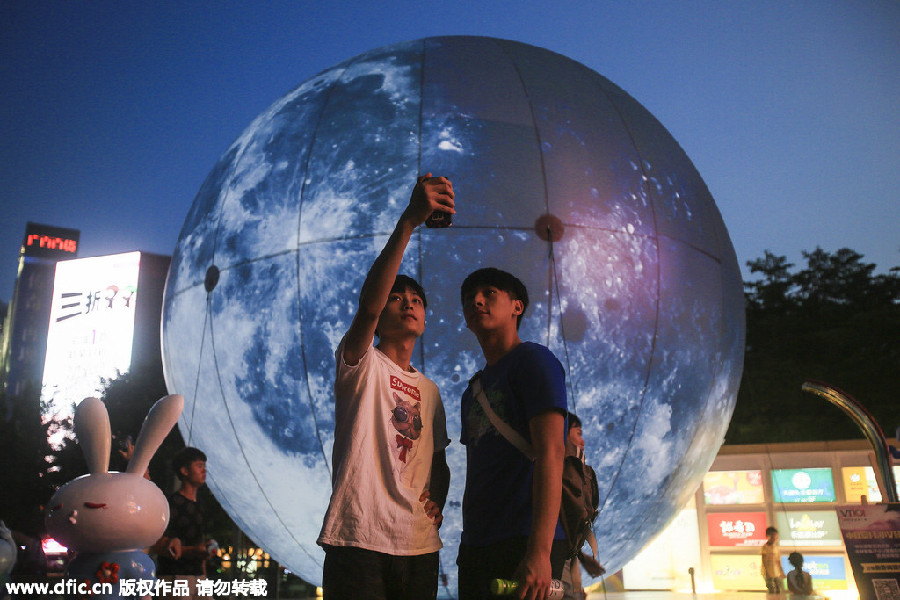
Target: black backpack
580,501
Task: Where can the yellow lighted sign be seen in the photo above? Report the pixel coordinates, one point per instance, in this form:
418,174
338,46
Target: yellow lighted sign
736,571
858,483
733,487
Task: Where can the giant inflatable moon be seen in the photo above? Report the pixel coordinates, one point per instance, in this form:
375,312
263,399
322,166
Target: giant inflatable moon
561,178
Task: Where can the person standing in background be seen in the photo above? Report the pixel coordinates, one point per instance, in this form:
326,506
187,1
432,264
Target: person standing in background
771,564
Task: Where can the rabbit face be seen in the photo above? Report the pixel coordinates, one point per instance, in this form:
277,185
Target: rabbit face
113,512
107,512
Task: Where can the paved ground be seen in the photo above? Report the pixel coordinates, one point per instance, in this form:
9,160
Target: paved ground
665,595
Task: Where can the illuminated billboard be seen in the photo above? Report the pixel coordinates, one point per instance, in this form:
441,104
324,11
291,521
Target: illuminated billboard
803,485
733,487
736,571
860,481
736,528
92,322
828,572
809,528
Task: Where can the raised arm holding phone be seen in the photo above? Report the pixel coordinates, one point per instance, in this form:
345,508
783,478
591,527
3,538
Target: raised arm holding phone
389,470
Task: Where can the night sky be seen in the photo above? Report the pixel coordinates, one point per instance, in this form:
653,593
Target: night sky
113,113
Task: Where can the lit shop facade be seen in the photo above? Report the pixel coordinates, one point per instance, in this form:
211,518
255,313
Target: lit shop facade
794,487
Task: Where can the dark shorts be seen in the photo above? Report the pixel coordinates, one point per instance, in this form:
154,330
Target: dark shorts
479,565
358,574
773,585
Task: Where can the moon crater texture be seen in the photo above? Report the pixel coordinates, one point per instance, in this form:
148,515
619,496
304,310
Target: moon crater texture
636,287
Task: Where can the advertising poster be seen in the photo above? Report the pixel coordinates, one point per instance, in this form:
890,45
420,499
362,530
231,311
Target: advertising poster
827,572
733,487
872,540
737,529
91,328
803,485
859,481
736,572
808,528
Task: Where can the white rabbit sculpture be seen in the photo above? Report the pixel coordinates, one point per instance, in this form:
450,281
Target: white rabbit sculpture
109,517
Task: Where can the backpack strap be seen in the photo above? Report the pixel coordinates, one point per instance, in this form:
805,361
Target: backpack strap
511,435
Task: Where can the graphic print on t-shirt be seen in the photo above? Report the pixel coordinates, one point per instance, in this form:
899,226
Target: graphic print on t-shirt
406,418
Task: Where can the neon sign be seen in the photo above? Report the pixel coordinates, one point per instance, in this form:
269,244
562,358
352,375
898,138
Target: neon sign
52,243
44,241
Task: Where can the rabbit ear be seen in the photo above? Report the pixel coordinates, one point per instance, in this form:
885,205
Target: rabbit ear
93,433
159,421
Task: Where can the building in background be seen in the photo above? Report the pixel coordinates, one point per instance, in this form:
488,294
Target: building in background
73,321
25,328
795,487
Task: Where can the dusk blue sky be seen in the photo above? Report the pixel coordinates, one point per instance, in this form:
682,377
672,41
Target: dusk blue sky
113,113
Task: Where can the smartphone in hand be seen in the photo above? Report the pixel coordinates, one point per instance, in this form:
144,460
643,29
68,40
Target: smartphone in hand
439,219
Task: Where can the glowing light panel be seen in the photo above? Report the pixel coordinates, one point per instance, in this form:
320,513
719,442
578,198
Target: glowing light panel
91,327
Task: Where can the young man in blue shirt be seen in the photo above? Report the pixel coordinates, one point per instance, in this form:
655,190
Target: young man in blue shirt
511,505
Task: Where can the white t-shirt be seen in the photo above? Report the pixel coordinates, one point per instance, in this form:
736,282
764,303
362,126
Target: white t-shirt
388,424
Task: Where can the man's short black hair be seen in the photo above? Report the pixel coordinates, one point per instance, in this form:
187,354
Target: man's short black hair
402,282
503,281
184,458
770,531
574,421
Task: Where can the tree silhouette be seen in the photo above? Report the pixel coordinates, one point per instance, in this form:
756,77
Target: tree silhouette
835,321
773,291
29,467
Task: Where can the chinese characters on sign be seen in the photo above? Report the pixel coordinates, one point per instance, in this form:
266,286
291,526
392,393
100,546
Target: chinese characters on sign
808,528
737,529
92,321
872,539
74,304
803,485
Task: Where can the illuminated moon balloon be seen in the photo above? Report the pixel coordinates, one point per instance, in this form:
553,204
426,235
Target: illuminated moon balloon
560,177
